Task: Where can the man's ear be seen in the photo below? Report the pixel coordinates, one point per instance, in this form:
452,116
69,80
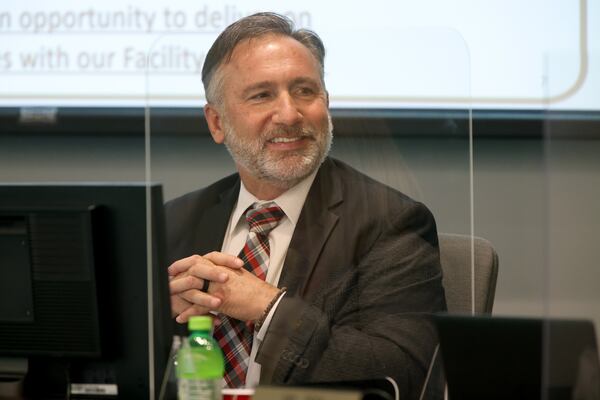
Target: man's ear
213,119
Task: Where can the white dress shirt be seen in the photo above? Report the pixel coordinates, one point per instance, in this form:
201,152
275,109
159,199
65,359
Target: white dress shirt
291,202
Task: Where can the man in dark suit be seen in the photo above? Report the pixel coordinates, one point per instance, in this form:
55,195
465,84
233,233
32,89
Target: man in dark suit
353,270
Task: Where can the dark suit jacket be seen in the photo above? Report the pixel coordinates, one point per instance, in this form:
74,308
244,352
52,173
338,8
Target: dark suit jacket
362,273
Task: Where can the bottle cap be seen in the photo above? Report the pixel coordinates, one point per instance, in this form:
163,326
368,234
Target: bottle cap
200,323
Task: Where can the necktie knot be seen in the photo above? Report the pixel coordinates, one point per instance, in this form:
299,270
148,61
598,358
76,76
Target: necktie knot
263,218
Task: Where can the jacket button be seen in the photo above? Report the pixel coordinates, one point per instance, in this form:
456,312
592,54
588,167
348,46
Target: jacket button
303,363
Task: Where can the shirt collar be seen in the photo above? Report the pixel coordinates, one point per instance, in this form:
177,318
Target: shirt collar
291,201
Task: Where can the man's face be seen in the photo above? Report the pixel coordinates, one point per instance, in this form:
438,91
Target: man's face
274,117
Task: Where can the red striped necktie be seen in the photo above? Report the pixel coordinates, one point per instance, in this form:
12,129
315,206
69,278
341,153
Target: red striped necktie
235,336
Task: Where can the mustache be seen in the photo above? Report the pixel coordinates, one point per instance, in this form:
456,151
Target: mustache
289,132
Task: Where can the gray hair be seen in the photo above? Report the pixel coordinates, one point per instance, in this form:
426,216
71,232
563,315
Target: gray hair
253,26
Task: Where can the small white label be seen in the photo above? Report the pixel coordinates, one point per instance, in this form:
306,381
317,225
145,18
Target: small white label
38,115
102,389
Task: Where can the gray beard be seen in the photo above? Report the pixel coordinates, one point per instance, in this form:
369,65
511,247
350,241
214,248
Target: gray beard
283,172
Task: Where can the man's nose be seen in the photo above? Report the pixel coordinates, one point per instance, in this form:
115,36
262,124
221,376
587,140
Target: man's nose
287,111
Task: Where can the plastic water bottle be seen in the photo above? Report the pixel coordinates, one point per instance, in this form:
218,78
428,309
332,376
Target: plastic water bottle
200,364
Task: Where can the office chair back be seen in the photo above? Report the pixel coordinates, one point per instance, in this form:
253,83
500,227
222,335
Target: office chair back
455,253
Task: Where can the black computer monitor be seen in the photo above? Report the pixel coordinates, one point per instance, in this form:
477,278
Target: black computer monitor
84,302
497,358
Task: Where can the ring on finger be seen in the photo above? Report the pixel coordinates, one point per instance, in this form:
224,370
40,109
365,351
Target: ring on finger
205,285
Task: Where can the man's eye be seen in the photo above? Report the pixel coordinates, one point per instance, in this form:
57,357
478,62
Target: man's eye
260,96
306,91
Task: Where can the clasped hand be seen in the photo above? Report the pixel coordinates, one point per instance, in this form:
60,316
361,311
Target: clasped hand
233,291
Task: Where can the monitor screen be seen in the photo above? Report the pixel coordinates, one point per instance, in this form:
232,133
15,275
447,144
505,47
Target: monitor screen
416,68
506,357
400,54
84,302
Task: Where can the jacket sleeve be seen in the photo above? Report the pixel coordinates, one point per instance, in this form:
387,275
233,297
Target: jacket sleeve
371,322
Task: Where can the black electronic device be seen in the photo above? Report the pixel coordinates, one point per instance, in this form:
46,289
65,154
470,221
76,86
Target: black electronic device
84,302
516,358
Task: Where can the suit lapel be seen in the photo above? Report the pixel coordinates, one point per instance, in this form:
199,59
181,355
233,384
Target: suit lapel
211,239
316,222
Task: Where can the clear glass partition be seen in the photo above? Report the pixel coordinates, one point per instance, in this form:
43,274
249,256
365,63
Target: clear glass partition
415,137
571,277
426,155
84,292
405,121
